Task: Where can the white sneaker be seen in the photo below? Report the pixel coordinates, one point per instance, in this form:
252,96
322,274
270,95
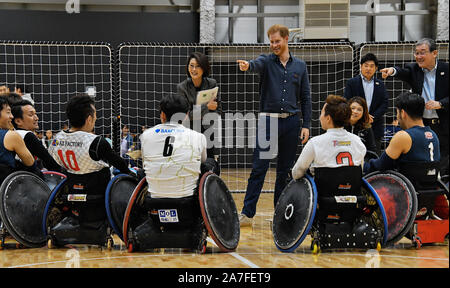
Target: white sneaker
244,220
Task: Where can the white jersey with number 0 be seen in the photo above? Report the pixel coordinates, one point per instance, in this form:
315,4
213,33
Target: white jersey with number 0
172,155
335,148
71,151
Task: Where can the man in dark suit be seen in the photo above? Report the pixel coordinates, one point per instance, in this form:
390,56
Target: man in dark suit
428,78
373,91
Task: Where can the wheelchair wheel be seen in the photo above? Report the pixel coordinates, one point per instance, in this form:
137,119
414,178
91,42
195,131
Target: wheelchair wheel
378,246
315,247
201,249
130,246
50,244
417,242
109,243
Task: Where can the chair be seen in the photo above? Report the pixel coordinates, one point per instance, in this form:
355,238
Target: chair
431,224
345,210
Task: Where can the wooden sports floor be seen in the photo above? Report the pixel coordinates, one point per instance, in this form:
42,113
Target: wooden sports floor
256,250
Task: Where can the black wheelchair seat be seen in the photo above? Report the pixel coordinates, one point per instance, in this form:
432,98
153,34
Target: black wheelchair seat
339,191
342,207
424,176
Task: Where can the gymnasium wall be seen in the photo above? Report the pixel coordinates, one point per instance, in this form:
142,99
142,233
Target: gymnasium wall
110,27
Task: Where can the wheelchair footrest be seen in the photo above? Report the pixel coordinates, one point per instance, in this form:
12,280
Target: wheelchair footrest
70,231
149,236
361,235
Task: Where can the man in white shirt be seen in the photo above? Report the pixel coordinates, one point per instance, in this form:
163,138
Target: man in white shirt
336,147
171,153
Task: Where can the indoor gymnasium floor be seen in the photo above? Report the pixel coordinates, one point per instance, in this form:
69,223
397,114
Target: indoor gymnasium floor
256,250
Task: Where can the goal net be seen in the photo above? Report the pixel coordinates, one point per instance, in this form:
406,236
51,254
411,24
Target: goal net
53,72
148,71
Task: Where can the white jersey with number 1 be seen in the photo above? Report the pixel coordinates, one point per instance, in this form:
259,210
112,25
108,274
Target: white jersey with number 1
172,155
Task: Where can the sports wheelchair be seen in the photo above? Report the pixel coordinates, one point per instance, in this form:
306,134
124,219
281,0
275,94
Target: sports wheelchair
75,211
146,223
431,223
337,207
420,202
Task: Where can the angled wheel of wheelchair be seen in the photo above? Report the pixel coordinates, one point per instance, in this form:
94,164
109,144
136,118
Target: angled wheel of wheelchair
294,214
399,199
53,178
52,216
137,192
117,195
23,196
219,212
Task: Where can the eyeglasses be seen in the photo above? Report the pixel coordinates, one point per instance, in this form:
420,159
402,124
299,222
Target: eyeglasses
192,67
420,53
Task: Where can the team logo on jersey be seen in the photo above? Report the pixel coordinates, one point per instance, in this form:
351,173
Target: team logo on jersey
428,135
55,142
341,143
169,130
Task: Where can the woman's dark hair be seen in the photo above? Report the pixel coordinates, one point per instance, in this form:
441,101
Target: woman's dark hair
78,109
202,61
339,110
364,122
411,103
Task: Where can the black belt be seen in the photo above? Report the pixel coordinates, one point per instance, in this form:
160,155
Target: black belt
276,115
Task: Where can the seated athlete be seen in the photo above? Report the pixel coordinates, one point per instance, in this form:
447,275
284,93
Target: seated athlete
172,157
171,153
415,143
11,144
335,148
26,123
86,157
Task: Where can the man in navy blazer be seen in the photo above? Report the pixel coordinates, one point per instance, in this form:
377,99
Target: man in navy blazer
373,91
428,78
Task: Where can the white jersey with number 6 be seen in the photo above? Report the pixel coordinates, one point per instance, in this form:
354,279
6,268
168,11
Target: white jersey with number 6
172,155
71,151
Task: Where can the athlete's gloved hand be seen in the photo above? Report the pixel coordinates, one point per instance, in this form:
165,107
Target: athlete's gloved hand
136,172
